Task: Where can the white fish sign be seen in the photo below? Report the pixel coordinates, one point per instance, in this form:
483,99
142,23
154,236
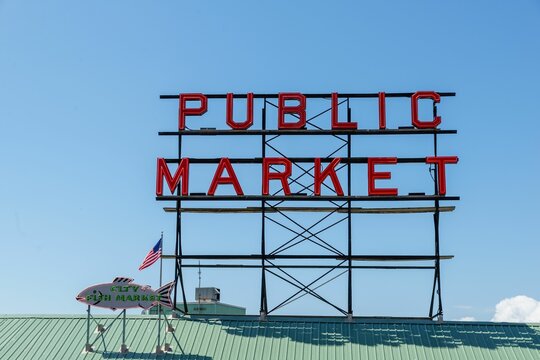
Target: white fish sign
122,293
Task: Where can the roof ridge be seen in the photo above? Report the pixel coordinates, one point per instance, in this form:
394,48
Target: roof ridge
272,319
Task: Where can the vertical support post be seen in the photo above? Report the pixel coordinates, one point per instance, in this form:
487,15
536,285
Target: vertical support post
349,222
88,346
264,302
158,346
177,236
124,327
123,347
178,247
436,217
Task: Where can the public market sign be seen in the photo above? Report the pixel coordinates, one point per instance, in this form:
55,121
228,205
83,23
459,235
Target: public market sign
292,119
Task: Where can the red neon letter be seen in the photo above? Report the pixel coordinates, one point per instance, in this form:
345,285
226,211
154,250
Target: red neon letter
249,115
299,110
335,121
184,111
329,171
281,176
219,179
182,172
440,162
384,175
414,110
382,111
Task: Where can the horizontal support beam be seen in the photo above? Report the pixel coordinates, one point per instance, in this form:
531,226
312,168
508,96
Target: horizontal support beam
313,96
312,257
355,210
304,198
243,266
407,131
259,160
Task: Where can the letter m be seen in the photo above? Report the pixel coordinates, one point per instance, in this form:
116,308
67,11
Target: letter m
182,173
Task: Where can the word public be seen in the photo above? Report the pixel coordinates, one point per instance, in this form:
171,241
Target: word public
298,110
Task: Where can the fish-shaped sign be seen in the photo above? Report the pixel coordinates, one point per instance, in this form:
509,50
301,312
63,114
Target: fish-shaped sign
122,293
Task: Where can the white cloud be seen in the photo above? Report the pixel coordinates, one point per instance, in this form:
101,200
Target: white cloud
519,308
467,318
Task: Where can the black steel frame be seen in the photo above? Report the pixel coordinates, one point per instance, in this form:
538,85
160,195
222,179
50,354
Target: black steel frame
269,205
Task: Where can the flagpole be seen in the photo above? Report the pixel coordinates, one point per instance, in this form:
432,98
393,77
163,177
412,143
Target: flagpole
161,261
158,348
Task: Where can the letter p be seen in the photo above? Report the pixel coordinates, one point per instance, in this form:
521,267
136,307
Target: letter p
184,111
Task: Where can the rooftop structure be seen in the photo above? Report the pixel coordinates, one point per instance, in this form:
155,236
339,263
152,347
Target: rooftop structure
207,303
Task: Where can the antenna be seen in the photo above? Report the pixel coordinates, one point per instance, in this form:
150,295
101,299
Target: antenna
199,298
199,273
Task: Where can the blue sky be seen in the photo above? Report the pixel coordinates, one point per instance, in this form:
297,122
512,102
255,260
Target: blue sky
80,112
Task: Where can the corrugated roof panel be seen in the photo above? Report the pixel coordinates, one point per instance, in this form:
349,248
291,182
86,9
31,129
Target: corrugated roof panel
63,337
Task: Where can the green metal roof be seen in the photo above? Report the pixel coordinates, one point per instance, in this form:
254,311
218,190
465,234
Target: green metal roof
64,337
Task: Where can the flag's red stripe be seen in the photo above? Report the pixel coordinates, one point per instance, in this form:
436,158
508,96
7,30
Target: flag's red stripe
150,259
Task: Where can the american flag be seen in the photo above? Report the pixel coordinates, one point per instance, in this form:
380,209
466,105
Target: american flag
152,256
